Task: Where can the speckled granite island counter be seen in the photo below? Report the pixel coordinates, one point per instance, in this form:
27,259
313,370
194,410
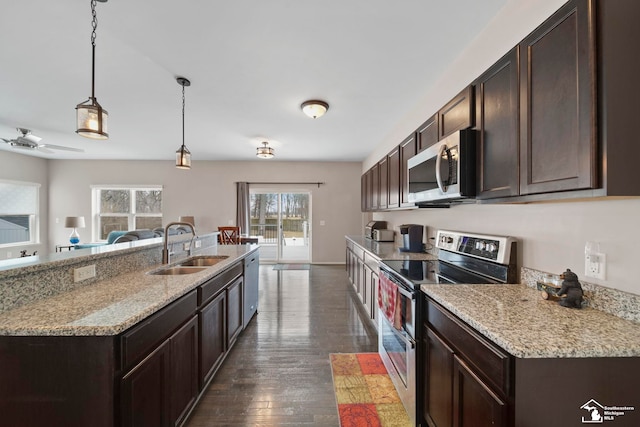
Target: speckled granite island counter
126,347
110,306
508,356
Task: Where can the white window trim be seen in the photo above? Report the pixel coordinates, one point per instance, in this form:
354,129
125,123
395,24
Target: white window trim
34,219
95,206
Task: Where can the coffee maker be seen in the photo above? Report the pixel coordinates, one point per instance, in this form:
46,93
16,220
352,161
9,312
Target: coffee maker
411,237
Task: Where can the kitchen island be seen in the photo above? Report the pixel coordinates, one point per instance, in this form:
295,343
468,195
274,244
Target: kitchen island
504,355
133,349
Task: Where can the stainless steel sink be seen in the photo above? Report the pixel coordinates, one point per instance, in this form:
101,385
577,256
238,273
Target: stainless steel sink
203,260
172,271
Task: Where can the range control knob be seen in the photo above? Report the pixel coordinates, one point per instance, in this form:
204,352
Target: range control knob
480,245
448,239
491,247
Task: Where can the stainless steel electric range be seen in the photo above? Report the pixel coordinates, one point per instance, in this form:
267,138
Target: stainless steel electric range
462,258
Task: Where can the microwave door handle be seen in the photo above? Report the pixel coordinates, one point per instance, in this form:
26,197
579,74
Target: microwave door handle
443,147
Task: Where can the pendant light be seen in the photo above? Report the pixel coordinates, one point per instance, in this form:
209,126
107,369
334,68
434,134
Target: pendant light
183,156
314,108
265,152
90,116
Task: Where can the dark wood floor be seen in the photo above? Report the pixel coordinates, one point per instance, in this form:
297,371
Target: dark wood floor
278,373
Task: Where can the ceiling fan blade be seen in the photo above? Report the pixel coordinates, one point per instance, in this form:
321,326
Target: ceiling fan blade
60,147
43,149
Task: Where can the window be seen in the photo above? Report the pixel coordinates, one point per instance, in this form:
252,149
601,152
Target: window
125,208
18,213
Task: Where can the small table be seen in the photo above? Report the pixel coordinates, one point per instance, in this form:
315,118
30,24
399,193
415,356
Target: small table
60,248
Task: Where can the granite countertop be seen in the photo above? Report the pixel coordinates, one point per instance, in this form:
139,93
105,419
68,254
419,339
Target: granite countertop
387,250
516,318
110,306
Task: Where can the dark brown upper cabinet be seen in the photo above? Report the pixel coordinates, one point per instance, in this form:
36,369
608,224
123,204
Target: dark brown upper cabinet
497,120
393,168
364,192
374,189
558,148
457,114
427,133
383,183
407,150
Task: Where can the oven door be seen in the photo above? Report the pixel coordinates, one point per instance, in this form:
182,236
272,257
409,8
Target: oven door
397,345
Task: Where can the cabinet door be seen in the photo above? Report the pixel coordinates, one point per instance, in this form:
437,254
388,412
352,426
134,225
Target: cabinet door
557,103
145,391
393,159
234,311
374,297
213,343
407,150
457,114
368,293
375,188
438,381
474,404
427,133
364,206
184,370
497,120
383,185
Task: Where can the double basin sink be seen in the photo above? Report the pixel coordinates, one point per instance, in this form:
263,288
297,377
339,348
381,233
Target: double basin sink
191,265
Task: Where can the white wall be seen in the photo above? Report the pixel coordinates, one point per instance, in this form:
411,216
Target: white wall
17,167
208,192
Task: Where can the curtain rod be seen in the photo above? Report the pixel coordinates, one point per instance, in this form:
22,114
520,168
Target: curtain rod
283,183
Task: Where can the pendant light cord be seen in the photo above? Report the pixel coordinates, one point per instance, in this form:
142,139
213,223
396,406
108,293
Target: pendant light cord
94,24
183,116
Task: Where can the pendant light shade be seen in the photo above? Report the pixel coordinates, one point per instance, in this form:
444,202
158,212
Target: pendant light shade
314,109
91,117
265,152
183,155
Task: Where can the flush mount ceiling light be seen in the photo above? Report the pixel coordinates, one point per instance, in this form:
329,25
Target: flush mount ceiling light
91,117
183,156
314,109
265,152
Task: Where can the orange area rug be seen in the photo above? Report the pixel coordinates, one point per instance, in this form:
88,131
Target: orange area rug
364,392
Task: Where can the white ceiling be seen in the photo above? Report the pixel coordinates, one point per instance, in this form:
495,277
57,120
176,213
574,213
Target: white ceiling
251,64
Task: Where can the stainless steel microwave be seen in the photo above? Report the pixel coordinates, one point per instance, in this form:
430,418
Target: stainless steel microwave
446,171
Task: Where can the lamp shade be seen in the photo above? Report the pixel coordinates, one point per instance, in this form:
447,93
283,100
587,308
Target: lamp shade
74,222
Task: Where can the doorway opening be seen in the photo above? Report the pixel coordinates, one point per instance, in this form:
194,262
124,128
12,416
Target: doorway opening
281,220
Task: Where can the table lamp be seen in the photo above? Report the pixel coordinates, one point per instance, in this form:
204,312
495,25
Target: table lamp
74,222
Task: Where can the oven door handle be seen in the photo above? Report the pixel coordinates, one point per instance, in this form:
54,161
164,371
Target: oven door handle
404,291
407,339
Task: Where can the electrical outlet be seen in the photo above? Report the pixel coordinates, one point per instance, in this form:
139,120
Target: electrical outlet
185,246
84,273
595,265
198,244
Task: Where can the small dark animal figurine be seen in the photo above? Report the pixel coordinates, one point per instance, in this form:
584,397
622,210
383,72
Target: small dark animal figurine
572,288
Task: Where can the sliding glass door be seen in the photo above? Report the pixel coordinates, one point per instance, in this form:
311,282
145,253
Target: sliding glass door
281,221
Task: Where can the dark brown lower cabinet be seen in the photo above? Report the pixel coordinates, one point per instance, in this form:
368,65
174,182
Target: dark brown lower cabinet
213,342
438,385
468,381
474,403
161,389
235,306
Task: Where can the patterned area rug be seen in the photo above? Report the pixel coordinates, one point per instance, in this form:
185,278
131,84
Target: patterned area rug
291,267
364,392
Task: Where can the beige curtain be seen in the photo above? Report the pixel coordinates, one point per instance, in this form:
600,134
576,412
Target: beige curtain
242,207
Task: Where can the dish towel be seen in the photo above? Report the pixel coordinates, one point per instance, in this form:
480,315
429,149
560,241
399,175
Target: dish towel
388,300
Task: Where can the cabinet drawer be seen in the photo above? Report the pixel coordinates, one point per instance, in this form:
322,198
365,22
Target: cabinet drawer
492,363
209,289
143,338
371,262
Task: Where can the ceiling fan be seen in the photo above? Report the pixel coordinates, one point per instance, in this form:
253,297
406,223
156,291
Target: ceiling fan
29,141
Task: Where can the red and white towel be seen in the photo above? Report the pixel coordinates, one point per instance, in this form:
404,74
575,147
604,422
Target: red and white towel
388,300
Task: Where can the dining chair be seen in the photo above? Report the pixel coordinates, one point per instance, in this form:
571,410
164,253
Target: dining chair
229,235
